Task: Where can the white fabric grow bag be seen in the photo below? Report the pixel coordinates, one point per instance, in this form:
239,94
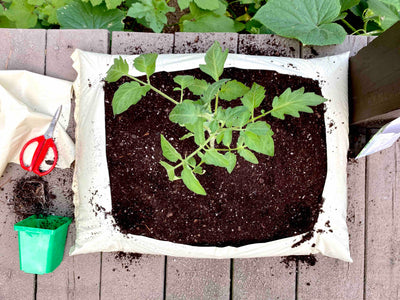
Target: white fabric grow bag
95,230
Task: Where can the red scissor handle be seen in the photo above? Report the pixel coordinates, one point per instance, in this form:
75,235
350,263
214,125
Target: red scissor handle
39,155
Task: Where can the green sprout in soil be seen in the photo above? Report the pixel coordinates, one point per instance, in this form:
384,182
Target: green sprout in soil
210,125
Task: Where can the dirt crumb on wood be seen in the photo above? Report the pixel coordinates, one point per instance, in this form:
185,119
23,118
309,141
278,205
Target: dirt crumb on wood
308,260
127,259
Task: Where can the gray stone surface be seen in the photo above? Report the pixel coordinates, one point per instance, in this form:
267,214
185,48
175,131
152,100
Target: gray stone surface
139,42
22,49
268,45
191,42
61,44
351,43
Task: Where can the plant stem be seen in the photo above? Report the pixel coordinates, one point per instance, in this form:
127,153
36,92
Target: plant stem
349,25
216,104
260,116
196,151
154,89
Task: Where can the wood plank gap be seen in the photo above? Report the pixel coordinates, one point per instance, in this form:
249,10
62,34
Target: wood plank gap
231,272
296,284
45,53
101,269
35,287
368,134
165,273
365,223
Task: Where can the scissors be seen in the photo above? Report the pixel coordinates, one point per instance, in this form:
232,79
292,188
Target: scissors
45,142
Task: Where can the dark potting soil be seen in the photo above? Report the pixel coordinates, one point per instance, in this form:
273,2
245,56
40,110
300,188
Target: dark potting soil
277,198
30,197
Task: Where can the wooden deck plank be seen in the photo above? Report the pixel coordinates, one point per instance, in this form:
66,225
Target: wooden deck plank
268,45
78,277
139,42
61,44
131,278
14,283
197,279
263,278
325,277
192,42
22,49
328,274
141,278
382,278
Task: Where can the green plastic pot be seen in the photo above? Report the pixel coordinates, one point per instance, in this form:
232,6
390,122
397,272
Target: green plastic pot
41,242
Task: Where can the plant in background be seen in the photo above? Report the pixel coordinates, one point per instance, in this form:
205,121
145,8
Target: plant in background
313,22
30,13
210,125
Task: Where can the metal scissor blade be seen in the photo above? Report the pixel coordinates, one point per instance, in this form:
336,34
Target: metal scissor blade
50,130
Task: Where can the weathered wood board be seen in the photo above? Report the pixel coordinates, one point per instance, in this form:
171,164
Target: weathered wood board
20,50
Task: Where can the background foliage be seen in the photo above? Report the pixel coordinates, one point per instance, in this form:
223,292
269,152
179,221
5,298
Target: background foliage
317,22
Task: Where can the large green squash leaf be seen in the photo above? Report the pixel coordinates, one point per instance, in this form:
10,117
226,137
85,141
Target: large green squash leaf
309,21
79,15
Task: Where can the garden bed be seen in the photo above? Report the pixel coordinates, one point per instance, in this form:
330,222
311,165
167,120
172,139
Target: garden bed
277,198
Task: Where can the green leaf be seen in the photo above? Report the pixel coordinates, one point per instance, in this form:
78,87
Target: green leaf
253,98
259,128
213,157
198,87
207,4
219,137
170,171
169,151
22,14
183,4
117,70
186,136
215,60
227,137
184,80
213,126
151,13
212,90
198,130
248,155
198,170
191,181
192,162
232,90
111,4
291,103
79,15
200,20
309,21
347,4
260,143
237,116
394,3
231,157
146,63
388,14
128,94
186,112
